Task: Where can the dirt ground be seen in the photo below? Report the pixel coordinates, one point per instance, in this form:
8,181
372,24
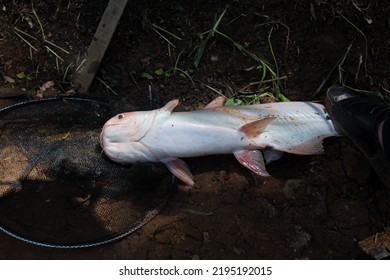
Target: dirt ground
331,206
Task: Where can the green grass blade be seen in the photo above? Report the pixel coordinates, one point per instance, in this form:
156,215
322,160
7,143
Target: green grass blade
203,43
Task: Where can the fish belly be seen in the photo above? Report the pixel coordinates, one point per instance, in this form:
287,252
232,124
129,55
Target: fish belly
197,133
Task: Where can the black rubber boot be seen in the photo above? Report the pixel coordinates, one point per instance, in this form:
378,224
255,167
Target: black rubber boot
359,116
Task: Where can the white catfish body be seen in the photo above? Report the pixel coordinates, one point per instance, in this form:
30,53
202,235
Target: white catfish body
165,136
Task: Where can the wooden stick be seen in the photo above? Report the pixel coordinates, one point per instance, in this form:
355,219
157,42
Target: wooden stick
11,92
97,48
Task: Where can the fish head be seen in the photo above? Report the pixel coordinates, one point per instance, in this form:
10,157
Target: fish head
121,137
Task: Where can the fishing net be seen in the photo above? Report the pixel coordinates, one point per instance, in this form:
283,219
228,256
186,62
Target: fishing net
56,187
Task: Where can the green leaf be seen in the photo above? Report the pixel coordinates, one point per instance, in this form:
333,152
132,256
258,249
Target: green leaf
146,76
8,79
33,92
21,75
159,72
233,102
31,76
279,95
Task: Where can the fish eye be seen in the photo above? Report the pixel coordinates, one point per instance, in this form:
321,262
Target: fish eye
121,116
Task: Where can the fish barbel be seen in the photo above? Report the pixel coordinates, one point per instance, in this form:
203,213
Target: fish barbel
165,136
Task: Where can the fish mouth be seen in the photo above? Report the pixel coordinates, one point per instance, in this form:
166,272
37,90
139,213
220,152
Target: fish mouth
101,138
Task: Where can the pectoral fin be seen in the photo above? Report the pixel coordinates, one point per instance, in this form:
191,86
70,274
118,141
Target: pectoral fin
217,102
170,105
180,169
254,129
253,160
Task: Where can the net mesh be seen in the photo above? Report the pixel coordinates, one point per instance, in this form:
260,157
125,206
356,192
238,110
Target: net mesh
56,187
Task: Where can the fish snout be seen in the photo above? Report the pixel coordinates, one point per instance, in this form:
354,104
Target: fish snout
103,134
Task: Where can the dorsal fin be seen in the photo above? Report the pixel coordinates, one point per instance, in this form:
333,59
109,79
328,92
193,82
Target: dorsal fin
170,105
254,129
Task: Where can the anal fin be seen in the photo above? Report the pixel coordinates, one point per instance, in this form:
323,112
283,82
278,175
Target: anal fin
253,160
180,169
311,147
